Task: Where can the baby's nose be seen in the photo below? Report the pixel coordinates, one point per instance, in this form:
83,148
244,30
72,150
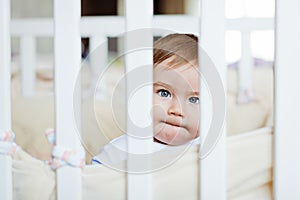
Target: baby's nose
176,108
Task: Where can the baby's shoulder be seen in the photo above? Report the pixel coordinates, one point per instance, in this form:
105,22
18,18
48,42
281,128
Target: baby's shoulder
119,142
114,151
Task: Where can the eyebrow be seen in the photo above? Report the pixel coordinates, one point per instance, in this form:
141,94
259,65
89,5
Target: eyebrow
196,93
162,84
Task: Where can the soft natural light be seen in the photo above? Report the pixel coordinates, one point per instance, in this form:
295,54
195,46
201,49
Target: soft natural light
233,46
261,42
234,9
259,8
249,8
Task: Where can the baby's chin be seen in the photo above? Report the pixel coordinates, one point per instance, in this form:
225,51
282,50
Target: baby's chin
171,135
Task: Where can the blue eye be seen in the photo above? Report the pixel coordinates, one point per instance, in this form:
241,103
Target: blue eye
194,100
164,93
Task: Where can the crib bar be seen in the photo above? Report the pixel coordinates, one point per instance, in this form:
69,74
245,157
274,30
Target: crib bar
67,54
5,68
92,25
6,186
287,98
138,16
116,24
98,52
246,63
248,24
176,23
42,27
213,167
28,63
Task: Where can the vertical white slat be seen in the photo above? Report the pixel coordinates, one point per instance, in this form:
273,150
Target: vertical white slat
67,47
138,16
98,57
246,64
98,52
5,62
287,98
28,62
213,167
6,186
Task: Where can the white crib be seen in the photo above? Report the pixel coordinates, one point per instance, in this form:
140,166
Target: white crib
212,173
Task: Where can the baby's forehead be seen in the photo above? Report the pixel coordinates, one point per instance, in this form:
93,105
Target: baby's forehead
174,62
185,76
167,67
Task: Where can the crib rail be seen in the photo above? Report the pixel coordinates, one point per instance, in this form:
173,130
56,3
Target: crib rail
28,29
286,122
212,167
139,186
247,24
89,26
5,102
67,65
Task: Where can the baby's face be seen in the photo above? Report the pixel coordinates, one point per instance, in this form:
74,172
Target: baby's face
176,103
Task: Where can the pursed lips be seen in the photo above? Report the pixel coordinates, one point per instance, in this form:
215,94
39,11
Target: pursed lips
175,123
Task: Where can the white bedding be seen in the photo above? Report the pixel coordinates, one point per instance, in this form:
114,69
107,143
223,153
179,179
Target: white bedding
253,115
249,161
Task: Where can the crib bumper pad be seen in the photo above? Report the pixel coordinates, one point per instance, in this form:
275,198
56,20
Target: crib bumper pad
7,145
62,156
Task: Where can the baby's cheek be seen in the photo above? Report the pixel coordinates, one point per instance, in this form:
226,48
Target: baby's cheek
166,134
194,127
158,112
193,117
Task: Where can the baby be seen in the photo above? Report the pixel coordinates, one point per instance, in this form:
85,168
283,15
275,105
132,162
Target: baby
175,96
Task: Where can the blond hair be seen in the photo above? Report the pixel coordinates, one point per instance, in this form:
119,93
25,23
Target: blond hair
179,48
